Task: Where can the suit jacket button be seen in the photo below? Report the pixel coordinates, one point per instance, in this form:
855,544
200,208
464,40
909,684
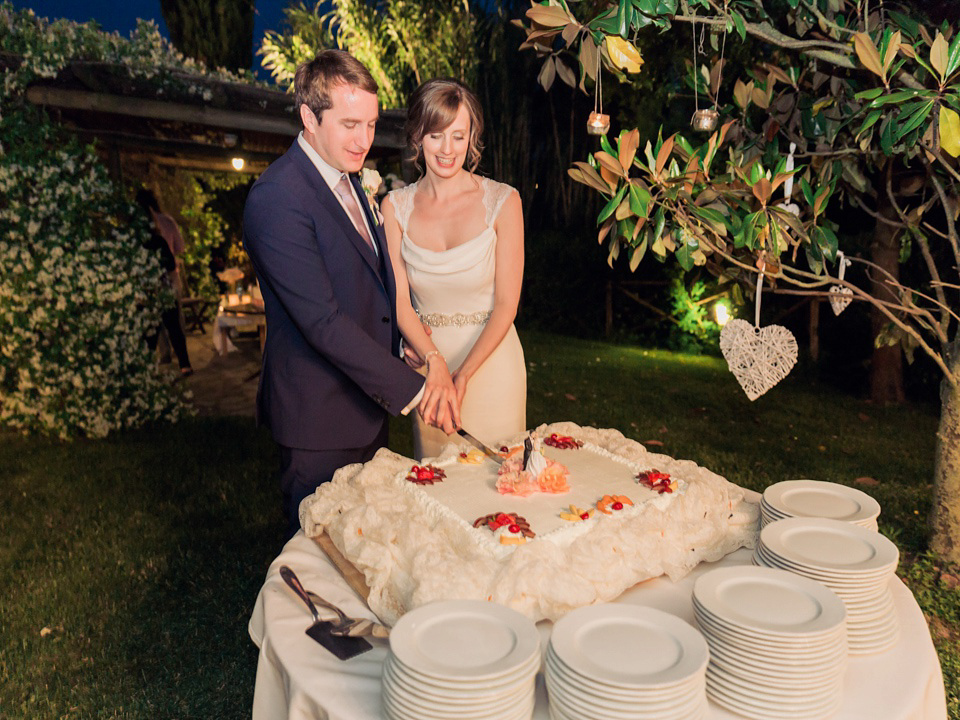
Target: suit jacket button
385,319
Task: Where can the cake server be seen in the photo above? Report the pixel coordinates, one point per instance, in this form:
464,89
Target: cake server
348,626
343,648
485,449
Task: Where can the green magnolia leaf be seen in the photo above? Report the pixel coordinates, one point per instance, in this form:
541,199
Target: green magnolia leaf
773,237
739,24
659,221
828,242
606,24
624,15
611,207
953,58
869,122
806,190
886,137
814,257
714,218
906,23
896,97
684,256
870,94
639,200
913,121
607,147
906,246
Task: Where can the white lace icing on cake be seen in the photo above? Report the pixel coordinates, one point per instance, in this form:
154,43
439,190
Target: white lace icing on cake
416,544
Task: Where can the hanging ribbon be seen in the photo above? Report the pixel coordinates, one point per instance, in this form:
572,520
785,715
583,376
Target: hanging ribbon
840,295
756,315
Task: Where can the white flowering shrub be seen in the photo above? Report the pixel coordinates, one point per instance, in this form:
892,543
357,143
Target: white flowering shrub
78,291
78,295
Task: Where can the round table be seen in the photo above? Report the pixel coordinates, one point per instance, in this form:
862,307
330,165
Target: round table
298,679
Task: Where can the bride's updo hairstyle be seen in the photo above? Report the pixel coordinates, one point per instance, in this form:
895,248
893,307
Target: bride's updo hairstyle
433,107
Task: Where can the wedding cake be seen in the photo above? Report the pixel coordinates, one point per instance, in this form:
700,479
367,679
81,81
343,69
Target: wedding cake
575,522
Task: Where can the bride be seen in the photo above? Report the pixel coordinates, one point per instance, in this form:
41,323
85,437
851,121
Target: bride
456,243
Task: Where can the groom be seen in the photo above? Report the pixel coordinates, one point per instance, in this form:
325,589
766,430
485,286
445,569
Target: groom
331,365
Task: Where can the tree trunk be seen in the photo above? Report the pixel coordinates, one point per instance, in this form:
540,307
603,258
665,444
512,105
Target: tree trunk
945,514
886,366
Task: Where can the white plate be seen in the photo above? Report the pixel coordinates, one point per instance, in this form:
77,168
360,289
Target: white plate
775,690
660,699
560,713
633,691
418,695
723,628
588,707
831,546
745,706
397,711
772,602
857,581
464,687
464,639
764,672
814,498
628,645
561,673
767,516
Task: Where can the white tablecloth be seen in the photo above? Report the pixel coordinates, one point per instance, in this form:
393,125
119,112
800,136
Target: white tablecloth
299,680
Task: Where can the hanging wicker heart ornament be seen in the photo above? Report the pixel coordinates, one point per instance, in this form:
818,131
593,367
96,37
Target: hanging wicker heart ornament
759,358
840,297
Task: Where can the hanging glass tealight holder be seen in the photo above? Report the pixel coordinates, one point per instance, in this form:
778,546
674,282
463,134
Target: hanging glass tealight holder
598,123
705,120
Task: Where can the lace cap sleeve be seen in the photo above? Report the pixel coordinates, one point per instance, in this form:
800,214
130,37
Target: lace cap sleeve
494,196
402,199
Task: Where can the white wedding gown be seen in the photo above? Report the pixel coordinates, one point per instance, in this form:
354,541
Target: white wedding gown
453,292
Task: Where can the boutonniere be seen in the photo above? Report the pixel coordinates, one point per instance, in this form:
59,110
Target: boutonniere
371,181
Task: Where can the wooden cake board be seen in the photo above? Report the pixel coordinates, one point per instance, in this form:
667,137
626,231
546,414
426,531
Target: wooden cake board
355,579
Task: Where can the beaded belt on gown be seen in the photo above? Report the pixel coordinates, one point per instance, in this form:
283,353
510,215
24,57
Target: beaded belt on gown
456,319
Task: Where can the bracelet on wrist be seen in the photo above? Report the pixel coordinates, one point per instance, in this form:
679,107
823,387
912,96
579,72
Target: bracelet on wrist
426,358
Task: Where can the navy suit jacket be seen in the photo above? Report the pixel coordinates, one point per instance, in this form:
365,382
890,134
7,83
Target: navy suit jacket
331,368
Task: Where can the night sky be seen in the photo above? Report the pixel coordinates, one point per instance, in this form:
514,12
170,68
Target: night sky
121,15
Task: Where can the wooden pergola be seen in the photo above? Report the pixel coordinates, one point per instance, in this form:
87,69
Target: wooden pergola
187,121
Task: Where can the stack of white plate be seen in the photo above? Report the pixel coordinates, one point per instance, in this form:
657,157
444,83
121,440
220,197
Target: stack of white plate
461,659
857,564
624,662
777,642
815,498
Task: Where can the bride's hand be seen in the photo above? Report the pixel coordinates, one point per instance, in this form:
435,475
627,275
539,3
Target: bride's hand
440,405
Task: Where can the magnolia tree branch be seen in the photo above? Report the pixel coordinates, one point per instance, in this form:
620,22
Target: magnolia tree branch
947,212
807,280
832,52
922,242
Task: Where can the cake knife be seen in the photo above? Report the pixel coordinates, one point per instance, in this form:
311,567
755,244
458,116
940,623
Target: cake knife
485,449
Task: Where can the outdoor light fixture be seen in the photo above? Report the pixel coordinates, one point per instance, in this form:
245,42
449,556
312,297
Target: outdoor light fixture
598,123
705,120
722,313
237,163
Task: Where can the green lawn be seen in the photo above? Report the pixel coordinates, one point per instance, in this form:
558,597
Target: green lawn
129,567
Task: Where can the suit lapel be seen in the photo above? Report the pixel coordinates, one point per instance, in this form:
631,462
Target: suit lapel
373,222
327,199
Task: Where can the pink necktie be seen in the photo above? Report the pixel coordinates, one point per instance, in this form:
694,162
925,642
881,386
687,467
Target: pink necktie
353,210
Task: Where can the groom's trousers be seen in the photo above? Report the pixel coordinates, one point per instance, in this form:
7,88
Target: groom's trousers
303,471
